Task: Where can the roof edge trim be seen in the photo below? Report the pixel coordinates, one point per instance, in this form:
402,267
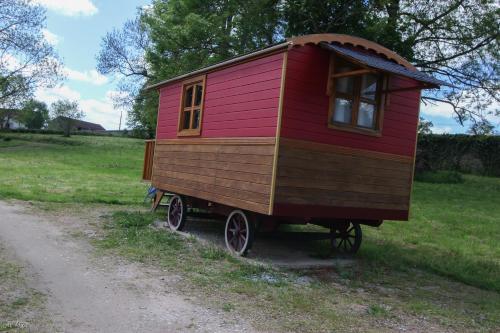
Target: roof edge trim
352,40
222,64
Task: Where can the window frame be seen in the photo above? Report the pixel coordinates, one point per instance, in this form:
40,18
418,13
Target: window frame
186,84
356,98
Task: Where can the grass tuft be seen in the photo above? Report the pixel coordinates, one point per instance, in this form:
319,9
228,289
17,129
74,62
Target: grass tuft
133,219
213,253
378,310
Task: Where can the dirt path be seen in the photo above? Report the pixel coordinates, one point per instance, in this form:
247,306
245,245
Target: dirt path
89,294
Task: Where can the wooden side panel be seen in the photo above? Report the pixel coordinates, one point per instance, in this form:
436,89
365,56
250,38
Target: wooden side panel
319,175
240,101
234,172
305,114
148,160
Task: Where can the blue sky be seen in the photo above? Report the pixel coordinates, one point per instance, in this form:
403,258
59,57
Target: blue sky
75,28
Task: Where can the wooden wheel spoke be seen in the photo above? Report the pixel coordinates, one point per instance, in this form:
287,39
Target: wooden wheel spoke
340,243
350,243
240,245
234,242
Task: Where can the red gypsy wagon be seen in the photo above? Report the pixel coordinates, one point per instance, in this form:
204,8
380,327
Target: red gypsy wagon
319,129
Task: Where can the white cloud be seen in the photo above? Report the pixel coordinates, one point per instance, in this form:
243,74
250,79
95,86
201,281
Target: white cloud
50,37
91,76
437,109
442,130
50,95
100,111
9,62
70,7
444,110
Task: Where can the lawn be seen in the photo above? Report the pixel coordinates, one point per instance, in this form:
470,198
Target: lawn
440,270
85,169
454,230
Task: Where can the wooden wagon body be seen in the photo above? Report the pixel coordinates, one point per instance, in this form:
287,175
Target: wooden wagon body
321,127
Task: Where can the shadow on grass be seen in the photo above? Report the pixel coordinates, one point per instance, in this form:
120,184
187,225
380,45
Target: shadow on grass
474,272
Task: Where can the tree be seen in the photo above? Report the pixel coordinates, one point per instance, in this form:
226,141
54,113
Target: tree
172,37
481,128
188,34
64,113
425,126
27,61
123,53
142,115
34,114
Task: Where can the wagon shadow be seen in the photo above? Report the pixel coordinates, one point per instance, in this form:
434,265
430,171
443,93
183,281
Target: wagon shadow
268,248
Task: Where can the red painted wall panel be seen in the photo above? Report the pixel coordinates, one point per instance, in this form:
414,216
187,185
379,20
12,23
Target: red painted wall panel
240,101
305,108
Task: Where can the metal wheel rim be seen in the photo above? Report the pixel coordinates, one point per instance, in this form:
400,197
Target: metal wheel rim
237,232
175,212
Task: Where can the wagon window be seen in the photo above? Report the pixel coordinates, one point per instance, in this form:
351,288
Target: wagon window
354,97
191,107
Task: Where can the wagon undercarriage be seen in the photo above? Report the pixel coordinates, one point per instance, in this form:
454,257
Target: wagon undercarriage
242,227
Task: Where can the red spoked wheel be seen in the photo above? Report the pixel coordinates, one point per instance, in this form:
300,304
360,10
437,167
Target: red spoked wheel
239,233
176,215
346,237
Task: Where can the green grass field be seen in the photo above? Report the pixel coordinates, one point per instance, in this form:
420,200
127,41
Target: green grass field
85,169
428,263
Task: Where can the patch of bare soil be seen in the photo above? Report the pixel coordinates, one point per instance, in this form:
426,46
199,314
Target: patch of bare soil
89,294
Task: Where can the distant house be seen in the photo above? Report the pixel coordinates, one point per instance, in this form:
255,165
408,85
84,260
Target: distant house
76,125
8,119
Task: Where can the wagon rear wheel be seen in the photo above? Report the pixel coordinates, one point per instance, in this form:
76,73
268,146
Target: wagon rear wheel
239,232
176,215
346,237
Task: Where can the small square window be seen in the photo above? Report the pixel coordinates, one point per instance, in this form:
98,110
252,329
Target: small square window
344,85
369,86
188,97
354,97
343,111
365,115
196,118
191,107
186,119
199,95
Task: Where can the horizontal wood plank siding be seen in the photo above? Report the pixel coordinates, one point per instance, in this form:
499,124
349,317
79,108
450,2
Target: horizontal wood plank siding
240,101
305,114
315,174
232,171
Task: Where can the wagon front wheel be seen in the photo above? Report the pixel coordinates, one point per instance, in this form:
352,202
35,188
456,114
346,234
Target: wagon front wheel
346,237
176,215
239,232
